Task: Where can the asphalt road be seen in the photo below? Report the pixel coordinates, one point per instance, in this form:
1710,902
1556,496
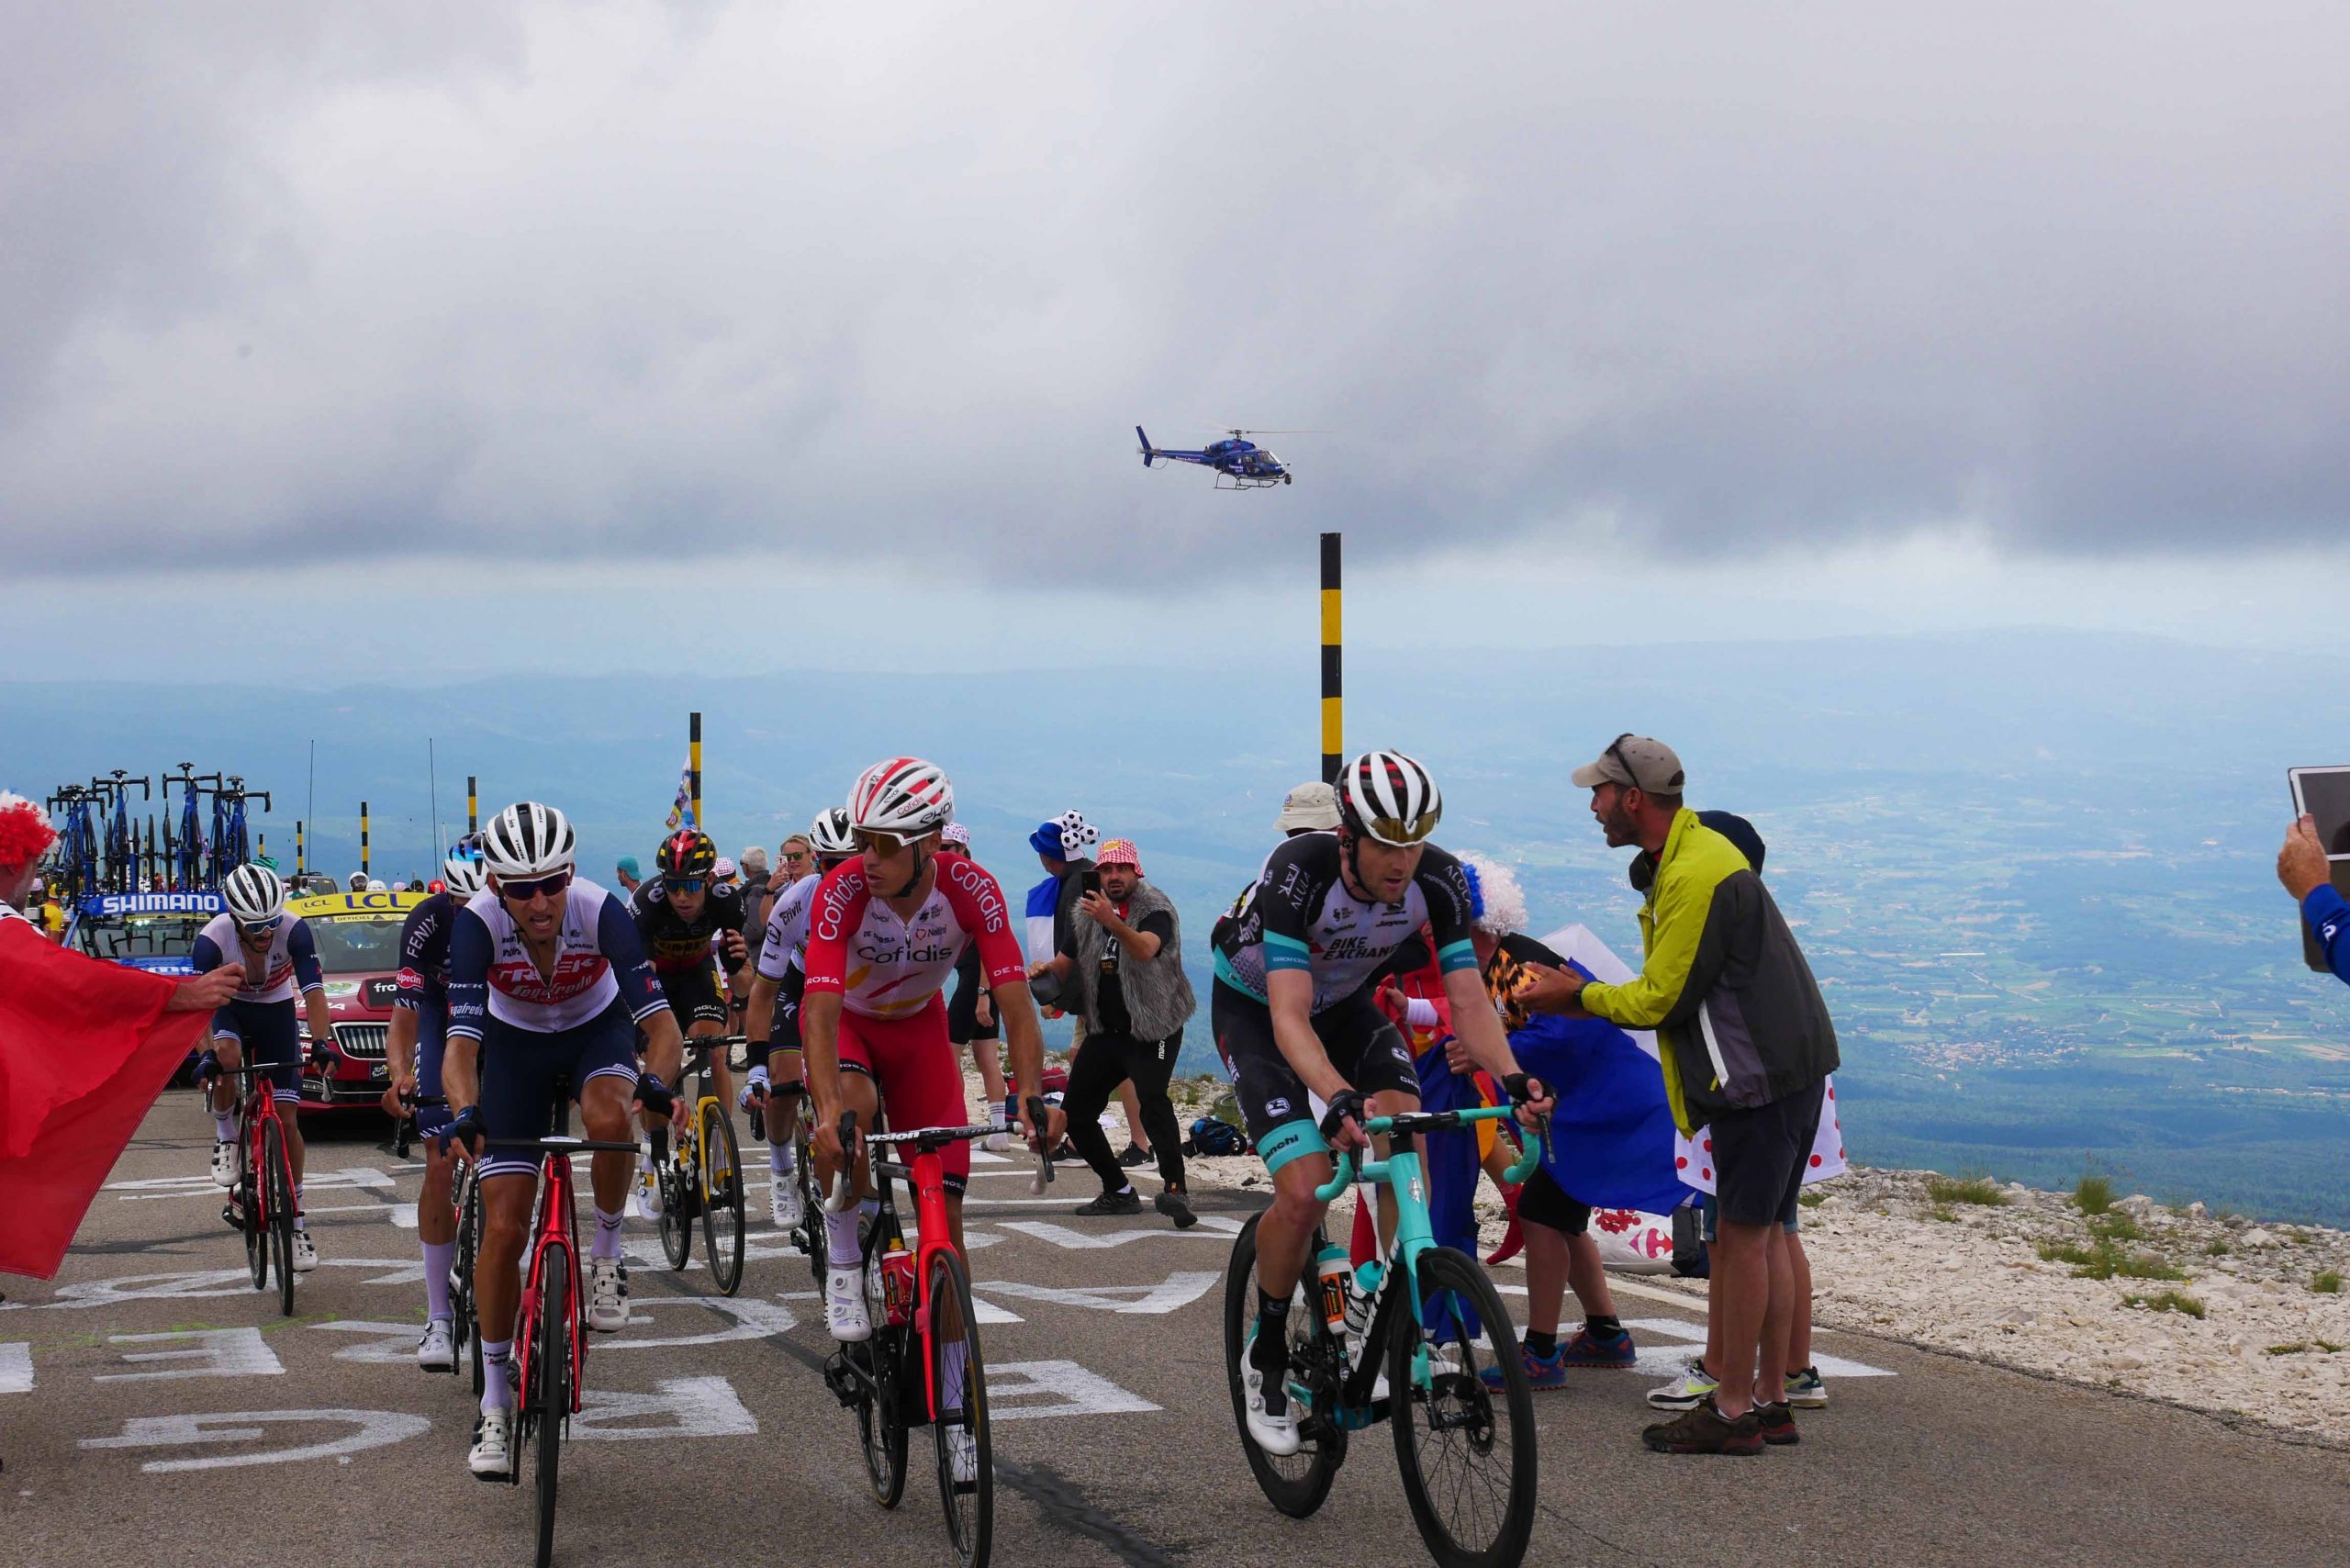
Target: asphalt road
153,1408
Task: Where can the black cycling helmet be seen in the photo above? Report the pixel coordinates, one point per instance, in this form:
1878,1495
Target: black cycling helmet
689,852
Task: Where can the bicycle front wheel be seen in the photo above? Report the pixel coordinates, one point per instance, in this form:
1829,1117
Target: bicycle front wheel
279,1174
461,1271
959,1415
880,1414
1466,1451
1295,1483
549,1398
722,1209
676,1177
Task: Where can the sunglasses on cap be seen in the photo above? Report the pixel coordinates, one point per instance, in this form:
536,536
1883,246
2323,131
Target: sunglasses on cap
523,893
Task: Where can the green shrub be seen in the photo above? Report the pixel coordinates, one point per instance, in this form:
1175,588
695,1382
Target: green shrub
2114,1226
2215,1248
2094,1195
1812,1200
2328,1283
2166,1301
1969,1190
2106,1261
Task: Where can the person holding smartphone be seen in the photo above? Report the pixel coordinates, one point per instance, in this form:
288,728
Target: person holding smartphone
2307,875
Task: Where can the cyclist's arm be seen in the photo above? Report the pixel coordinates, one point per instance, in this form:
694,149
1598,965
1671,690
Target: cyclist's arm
307,974
207,957
840,906
399,1046
1289,994
820,1048
1479,1027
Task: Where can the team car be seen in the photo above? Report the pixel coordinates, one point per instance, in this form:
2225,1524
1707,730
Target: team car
358,939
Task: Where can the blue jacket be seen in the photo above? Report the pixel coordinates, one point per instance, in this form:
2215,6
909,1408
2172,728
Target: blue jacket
2329,915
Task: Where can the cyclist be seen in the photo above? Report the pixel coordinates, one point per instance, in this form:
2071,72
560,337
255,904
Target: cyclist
681,910
1295,1021
419,1036
547,979
279,956
781,975
887,929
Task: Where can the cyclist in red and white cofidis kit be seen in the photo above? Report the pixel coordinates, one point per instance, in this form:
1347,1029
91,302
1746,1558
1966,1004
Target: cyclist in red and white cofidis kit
887,929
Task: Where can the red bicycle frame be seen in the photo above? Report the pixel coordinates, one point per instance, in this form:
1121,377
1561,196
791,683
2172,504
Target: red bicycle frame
555,1223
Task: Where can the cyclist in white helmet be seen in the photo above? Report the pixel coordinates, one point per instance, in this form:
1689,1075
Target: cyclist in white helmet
279,957
772,1023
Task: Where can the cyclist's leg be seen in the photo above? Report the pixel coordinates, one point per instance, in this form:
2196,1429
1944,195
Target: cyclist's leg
517,1071
602,1066
1281,1122
220,1096
786,1070
436,1221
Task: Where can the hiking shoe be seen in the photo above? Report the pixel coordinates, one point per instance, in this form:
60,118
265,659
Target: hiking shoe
492,1457
1703,1429
1136,1156
1584,1349
1541,1371
607,1295
1684,1391
1126,1202
1175,1206
437,1352
844,1314
1778,1424
224,1163
305,1252
1272,1421
1805,1390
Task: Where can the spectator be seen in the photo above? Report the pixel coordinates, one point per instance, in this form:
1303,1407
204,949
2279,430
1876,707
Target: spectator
358,883
52,913
970,1015
1747,1045
1309,808
2302,867
628,873
796,859
1063,848
1127,982
757,900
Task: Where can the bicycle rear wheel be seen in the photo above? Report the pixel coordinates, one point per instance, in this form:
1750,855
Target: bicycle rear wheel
548,1400
677,1178
960,1417
279,1174
722,1211
1466,1453
467,1198
1295,1483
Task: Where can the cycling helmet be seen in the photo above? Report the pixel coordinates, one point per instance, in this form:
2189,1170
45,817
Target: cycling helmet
527,840
254,893
689,852
829,834
1388,795
904,796
462,869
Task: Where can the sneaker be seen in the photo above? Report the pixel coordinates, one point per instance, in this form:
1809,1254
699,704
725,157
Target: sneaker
437,1352
1702,1428
845,1312
607,1295
492,1457
1175,1206
996,1143
1126,1202
1778,1424
1583,1348
1684,1391
1136,1155
1541,1371
1805,1392
963,1454
783,1200
224,1163
305,1252
1275,1431
648,1193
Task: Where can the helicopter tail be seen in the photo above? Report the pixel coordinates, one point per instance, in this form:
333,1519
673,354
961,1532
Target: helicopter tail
1147,451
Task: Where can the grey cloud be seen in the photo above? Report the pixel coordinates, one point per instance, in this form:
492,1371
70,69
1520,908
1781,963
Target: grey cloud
623,282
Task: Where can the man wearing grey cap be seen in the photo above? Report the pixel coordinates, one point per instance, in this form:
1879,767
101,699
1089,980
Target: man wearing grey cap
1746,1045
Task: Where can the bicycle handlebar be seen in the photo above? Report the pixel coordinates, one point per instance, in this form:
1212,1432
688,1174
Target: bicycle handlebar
1433,1121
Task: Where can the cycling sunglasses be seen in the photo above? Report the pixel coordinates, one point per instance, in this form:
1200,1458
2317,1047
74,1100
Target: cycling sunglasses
683,884
259,927
1397,832
523,893
878,842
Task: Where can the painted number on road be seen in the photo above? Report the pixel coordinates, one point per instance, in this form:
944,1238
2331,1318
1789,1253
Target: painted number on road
214,1352
680,1407
370,1430
1021,1391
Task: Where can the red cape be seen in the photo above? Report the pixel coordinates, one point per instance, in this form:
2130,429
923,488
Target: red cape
84,1050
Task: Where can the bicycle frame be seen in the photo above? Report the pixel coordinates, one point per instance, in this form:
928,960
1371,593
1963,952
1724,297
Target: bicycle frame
257,1105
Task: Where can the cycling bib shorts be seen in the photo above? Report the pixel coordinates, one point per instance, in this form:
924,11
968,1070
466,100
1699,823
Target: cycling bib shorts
1367,1049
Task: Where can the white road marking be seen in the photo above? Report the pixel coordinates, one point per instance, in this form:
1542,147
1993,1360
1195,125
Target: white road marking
179,1285
1211,1227
376,1429
394,1345
1171,1294
750,1317
352,1176
1072,1390
218,1352
681,1407
15,1367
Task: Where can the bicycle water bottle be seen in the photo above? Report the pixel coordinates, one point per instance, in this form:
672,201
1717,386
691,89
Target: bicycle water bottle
1366,1285
1336,1273
898,1285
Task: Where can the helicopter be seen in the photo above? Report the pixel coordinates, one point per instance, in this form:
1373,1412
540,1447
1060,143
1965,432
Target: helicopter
1242,461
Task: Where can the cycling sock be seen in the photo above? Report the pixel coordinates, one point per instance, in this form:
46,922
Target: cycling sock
438,1255
301,1221
782,1159
224,1126
1541,1346
1271,1353
497,1394
606,1248
840,1240
1604,1328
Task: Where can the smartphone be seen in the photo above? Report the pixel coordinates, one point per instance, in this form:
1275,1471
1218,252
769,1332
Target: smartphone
2323,793
1089,882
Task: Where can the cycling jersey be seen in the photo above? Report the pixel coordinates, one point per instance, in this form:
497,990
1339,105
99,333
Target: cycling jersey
787,938
1300,916
424,954
292,958
597,957
675,943
883,967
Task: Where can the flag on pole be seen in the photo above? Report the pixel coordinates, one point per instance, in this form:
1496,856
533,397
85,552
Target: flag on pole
681,809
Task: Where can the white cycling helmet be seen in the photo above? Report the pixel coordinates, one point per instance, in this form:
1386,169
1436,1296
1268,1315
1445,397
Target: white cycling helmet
254,893
1390,797
462,869
528,840
829,834
904,796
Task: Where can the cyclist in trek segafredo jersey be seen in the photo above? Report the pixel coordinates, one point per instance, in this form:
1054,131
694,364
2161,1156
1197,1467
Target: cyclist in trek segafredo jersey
258,1027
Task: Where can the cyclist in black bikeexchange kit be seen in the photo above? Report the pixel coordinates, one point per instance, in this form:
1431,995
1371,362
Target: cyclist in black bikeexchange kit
1296,1024
689,923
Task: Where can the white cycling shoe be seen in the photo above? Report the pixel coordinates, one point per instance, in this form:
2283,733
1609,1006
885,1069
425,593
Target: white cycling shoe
783,1200
1276,1434
224,1163
607,1295
305,1252
996,1143
437,1352
963,1454
648,1193
845,1312
492,1455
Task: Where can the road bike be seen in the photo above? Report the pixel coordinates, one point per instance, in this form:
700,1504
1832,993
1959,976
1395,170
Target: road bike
922,1366
1401,1341
551,1325
261,1200
701,1176
464,1199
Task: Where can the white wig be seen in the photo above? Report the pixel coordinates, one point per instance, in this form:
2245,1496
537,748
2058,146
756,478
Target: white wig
1501,903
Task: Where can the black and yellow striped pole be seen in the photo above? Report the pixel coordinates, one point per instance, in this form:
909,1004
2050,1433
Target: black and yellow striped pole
693,765
362,838
1333,709
299,848
473,805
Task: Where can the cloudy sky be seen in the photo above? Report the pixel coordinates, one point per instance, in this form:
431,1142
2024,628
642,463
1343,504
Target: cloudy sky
510,318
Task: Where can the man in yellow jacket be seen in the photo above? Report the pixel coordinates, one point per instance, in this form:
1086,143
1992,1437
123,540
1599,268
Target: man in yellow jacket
1746,1044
